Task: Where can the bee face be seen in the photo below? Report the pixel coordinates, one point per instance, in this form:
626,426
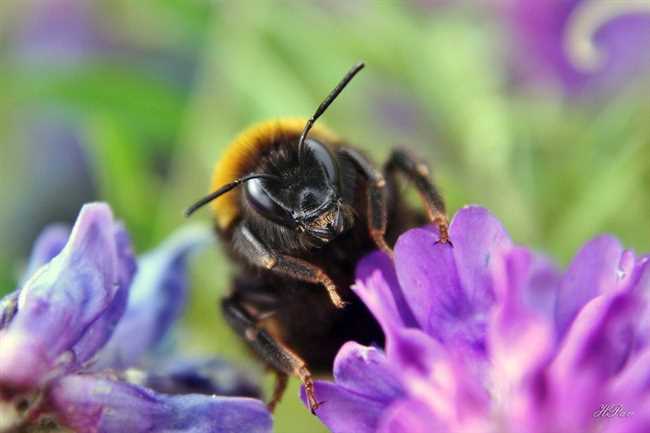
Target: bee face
307,197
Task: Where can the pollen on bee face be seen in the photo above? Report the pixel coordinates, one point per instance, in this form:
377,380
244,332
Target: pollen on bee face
325,219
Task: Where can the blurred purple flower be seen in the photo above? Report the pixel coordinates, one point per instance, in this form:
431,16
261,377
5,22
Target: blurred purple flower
584,45
486,336
63,346
59,33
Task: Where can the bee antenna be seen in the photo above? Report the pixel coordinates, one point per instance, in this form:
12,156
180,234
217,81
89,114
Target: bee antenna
326,103
224,189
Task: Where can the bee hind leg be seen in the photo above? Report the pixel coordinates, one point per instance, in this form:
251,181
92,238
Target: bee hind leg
417,172
278,356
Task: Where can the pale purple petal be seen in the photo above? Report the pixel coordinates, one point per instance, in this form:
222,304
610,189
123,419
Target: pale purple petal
48,245
91,404
156,299
596,269
365,370
97,334
540,293
378,288
61,303
344,411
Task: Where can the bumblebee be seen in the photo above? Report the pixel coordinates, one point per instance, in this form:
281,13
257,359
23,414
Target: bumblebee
296,207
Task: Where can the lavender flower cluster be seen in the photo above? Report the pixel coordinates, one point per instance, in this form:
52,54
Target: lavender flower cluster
87,317
483,335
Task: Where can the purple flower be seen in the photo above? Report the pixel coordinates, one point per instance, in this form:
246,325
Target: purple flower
75,332
583,45
487,336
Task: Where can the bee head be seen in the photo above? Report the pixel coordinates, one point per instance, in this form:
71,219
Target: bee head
305,197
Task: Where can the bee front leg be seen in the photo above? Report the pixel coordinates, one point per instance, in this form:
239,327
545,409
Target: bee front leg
279,357
377,202
418,173
256,253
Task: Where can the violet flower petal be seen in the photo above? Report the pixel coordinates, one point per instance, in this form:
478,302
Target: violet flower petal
595,349
379,289
594,270
477,236
156,300
344,411
449,288
97,334
427,271
365,370
601,337
59,305
48,244
90,404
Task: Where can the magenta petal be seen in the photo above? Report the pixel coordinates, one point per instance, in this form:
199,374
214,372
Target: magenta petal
90,404
345,411
633,382
449,380
600,338
410,416
641,288
596,269
365,370
60,305
520,341
477,236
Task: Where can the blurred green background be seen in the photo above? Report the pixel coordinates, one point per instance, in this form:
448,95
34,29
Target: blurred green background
132,102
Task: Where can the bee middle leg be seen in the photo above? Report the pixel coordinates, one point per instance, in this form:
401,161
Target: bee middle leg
417,172
256,253
278,356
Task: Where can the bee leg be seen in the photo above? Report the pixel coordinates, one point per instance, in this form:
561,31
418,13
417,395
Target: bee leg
279,357
377,203
252,249
281,381
418,173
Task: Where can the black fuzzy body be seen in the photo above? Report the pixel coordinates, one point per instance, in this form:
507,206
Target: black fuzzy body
299,314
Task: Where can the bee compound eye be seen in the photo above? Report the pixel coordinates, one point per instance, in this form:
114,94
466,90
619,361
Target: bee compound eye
264,203
324,159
